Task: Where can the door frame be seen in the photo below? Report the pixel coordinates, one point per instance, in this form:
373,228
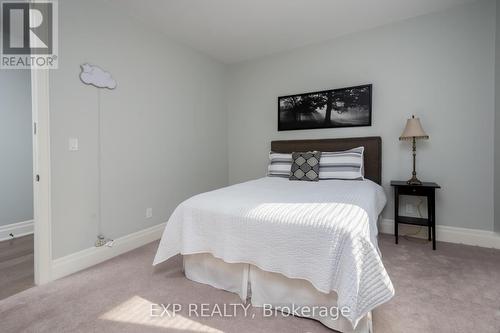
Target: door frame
41,176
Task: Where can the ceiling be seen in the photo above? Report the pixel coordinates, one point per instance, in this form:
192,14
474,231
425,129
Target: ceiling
237,30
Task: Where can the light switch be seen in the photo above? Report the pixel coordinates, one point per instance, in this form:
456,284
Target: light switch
73,144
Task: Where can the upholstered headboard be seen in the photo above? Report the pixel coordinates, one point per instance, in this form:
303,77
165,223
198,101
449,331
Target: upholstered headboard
372,154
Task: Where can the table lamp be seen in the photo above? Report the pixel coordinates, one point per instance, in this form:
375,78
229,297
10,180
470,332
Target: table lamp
413,131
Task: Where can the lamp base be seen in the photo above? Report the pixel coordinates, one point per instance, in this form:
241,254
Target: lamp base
414,181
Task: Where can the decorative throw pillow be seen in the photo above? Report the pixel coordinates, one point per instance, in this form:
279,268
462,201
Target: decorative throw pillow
305,166
279,165
346,164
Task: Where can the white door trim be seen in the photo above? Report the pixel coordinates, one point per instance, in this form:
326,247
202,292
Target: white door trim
41,168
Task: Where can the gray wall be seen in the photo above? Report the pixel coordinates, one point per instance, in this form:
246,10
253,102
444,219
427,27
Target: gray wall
497,122
164,127
16,185
180,123
439,67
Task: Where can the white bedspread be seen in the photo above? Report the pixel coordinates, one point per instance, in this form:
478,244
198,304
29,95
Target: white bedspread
324,232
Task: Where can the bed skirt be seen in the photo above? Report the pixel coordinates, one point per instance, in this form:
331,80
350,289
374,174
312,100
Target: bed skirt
271,290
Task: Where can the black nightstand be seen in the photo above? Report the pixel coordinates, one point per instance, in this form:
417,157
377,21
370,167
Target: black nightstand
425,190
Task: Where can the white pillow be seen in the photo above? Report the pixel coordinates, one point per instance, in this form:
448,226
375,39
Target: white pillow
346,164
279,165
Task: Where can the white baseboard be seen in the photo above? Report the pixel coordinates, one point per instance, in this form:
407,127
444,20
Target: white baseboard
92,256
448,234
18,229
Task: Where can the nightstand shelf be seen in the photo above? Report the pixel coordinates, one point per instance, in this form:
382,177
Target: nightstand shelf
413,220
427,190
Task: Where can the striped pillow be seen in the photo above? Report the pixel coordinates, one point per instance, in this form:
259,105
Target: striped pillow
342,164
279,165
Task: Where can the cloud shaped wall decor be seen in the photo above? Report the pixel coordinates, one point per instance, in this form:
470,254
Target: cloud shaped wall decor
97,77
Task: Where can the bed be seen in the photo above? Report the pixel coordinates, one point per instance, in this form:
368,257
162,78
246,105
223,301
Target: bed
299,247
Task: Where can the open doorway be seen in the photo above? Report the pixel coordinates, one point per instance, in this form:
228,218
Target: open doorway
16,183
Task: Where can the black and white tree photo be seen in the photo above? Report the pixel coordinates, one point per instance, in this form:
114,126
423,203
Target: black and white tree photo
346,107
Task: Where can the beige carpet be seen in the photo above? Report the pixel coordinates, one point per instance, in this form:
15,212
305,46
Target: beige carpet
453,289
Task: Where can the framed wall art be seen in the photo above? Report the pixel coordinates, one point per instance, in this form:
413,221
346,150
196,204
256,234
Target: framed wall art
345,107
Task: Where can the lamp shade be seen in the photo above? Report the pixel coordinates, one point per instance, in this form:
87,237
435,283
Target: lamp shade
413,129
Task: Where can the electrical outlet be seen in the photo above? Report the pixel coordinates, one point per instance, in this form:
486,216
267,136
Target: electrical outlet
149,213
73,144
410,209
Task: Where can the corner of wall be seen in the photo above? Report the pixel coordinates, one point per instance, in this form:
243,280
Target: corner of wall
497,123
